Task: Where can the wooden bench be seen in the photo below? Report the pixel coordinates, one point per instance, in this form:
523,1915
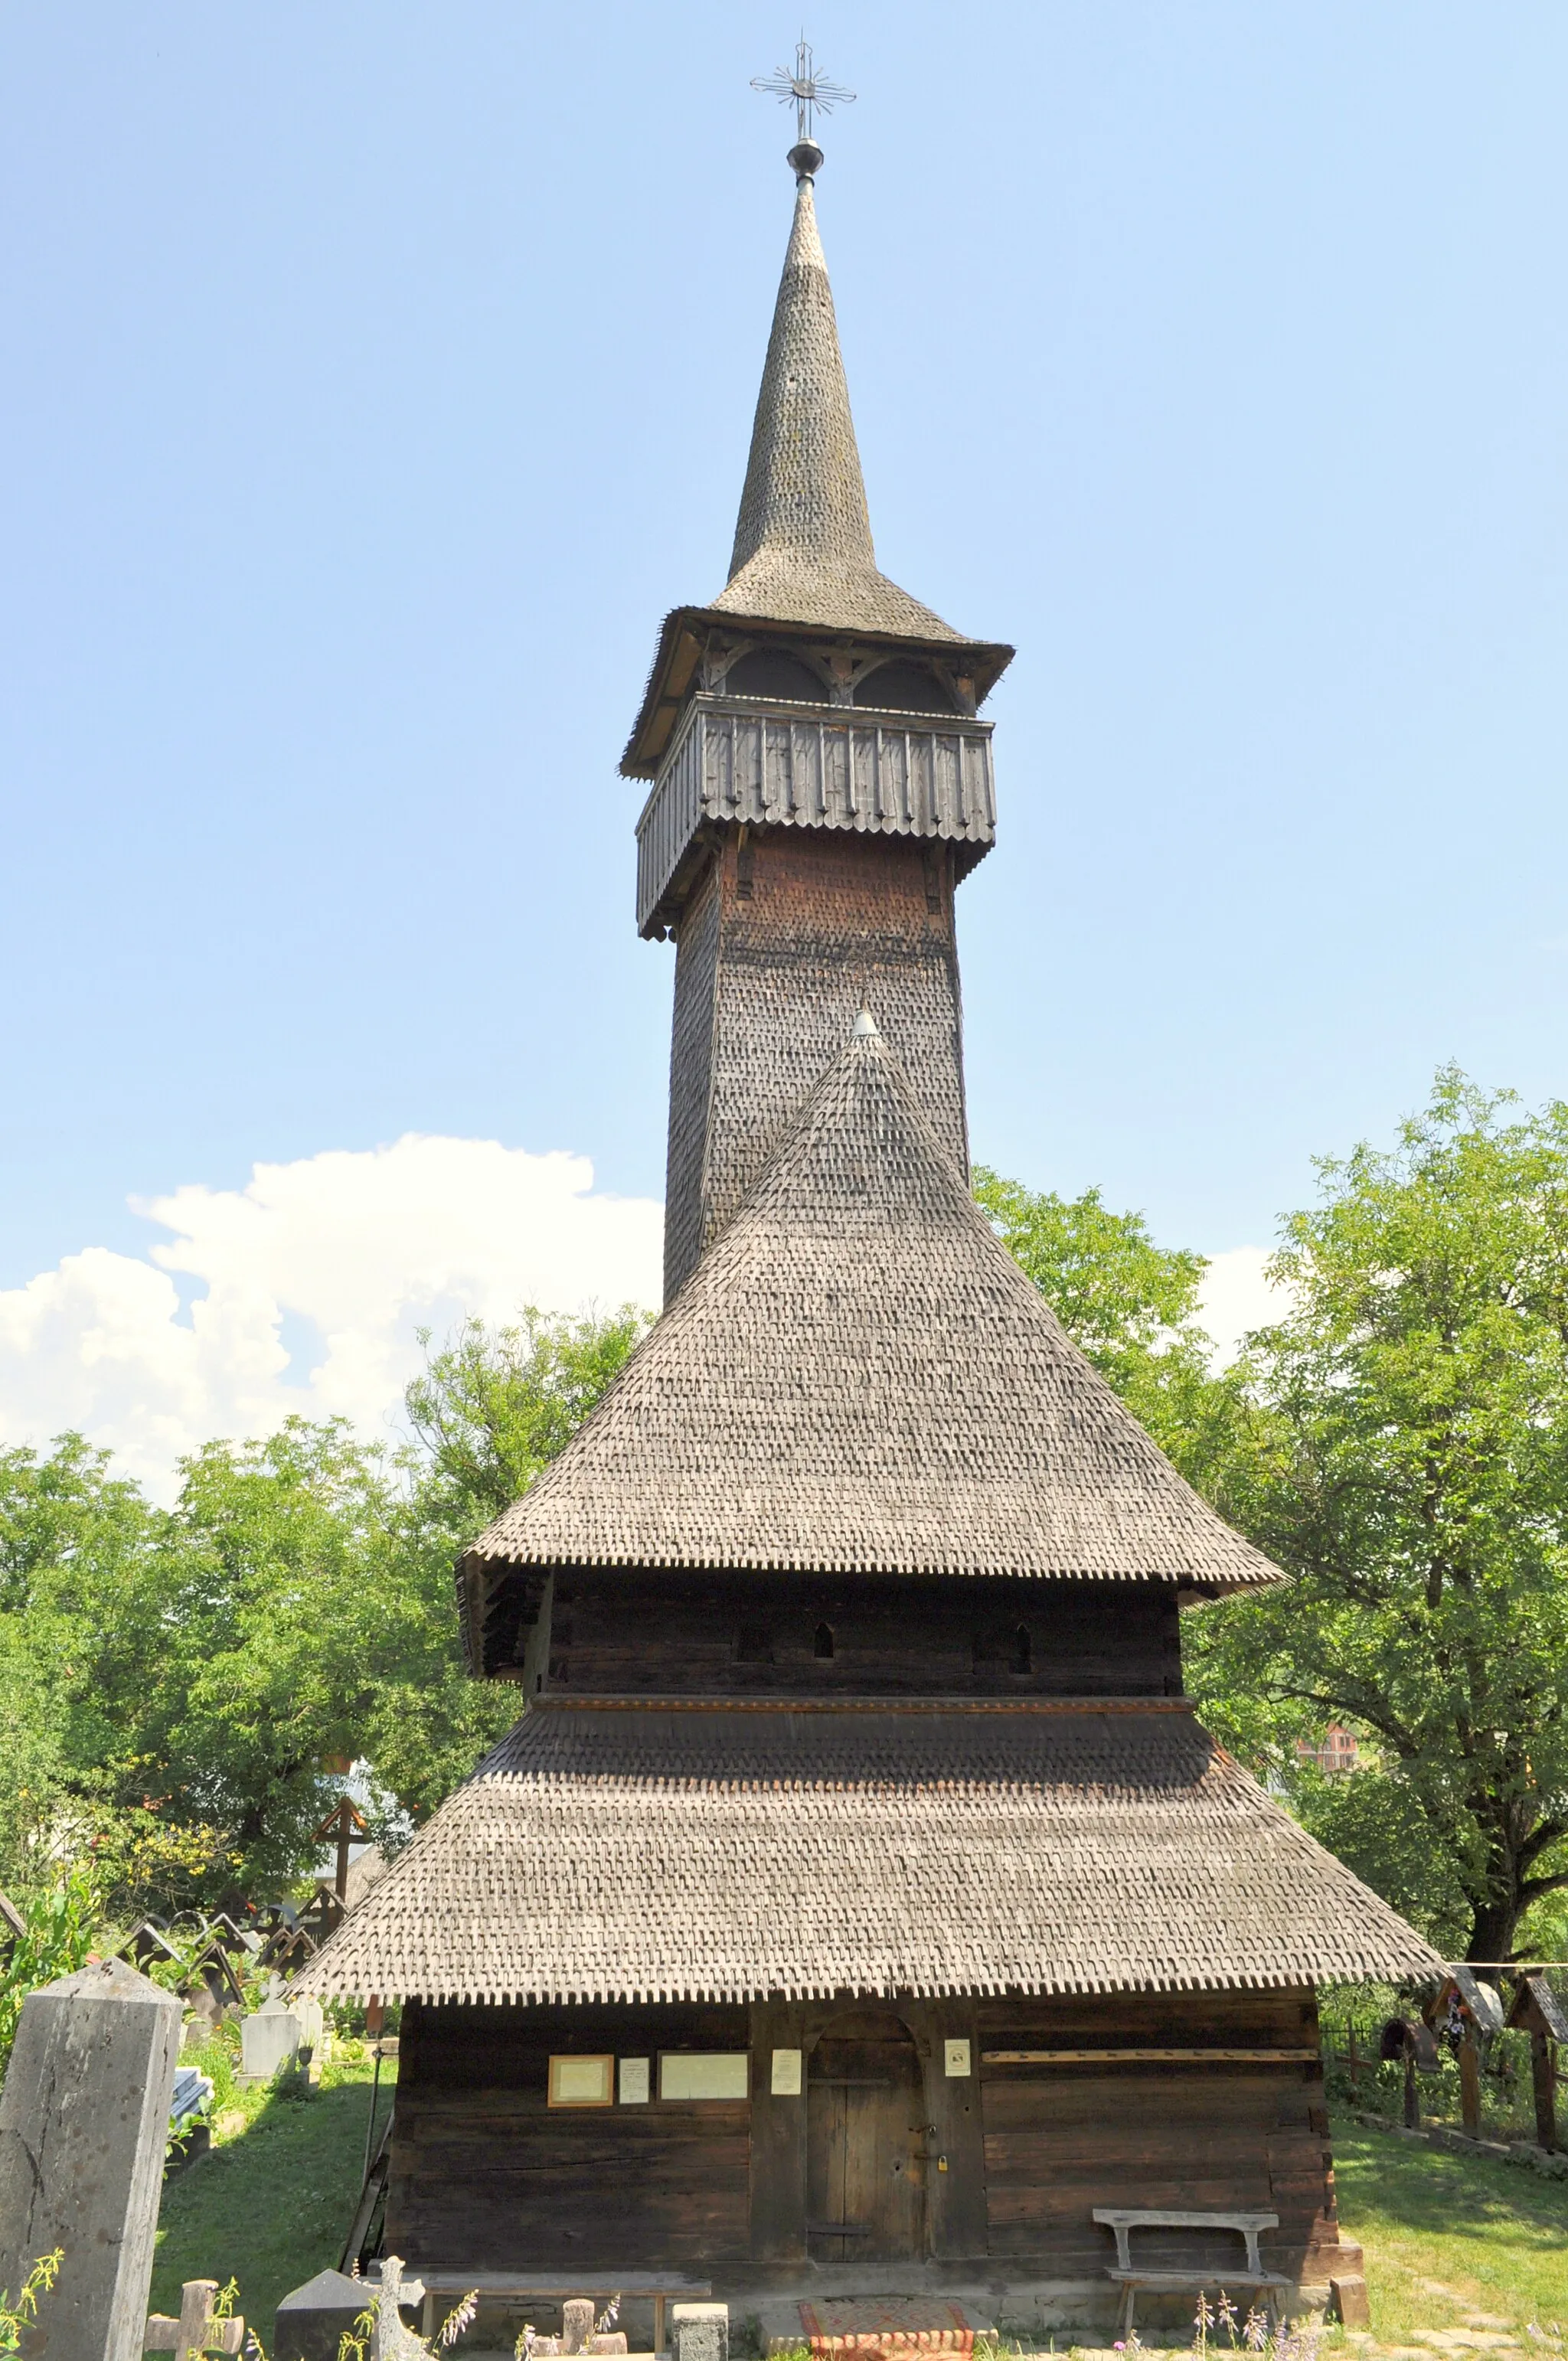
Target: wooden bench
660,2285
1125,2219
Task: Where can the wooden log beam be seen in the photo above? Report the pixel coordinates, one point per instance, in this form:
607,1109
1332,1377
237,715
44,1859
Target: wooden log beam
1148,2057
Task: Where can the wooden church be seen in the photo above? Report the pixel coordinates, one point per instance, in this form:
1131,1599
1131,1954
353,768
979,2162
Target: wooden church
857,1904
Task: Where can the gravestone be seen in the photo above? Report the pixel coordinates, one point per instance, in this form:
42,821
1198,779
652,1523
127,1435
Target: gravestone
700,2331
275,2033
389,2340
83,2126
312,2321
268,2039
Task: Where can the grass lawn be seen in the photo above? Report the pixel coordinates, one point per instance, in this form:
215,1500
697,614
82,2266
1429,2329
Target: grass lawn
270,2205
1446,2235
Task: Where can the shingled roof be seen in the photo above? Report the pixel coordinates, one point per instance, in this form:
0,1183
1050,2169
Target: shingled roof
803,547
858,1377
650,1854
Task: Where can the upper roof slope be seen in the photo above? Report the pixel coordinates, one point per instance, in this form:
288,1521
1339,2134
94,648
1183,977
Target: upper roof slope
858,1376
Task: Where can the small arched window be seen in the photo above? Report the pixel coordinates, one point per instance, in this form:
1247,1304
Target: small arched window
1022,1655
822,1644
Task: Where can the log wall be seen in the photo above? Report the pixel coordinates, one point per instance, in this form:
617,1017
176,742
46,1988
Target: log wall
617,1632
1062,2139
487,2176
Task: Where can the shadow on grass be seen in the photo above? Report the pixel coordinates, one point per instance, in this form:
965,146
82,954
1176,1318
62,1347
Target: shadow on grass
269,2208
1436,2190
1438,2226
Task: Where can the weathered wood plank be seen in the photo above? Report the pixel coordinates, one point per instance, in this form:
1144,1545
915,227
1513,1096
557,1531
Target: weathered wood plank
619,1632
1205,2131
778,2139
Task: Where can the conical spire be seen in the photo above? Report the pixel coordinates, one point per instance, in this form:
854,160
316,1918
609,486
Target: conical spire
803,541
804,493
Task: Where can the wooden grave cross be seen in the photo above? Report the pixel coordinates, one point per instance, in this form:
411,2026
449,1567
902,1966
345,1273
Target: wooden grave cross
344,1821
195,2332
1536,2010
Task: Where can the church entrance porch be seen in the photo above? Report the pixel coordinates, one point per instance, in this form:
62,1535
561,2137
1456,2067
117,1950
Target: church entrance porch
866,2138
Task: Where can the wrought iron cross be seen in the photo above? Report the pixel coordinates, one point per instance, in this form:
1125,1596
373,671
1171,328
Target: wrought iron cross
812,93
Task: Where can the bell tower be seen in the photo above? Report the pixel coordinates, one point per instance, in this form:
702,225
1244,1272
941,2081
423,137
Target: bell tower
821,784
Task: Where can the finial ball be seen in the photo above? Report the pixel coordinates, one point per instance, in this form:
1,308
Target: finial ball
805,160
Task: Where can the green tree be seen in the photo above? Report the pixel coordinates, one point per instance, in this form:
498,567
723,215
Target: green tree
294,1609
1130,1305
196,1665
69,1530
495,1405
272,1615
1401,1447
175,1687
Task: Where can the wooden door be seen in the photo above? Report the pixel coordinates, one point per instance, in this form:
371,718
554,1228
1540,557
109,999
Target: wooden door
865,2143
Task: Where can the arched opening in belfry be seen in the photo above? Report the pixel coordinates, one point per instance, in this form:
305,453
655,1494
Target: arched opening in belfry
904,687
774,672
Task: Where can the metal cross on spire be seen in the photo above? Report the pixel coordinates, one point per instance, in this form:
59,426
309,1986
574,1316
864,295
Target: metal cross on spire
812,93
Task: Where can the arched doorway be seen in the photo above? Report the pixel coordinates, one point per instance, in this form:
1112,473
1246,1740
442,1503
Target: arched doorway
865,2141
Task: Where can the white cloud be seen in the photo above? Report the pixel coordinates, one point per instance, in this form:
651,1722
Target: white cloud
316,1275
1235,1296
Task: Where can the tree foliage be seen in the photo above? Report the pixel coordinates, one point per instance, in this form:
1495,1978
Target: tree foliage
1130,1305
1401,1447
177,1687
71,1533
495,1405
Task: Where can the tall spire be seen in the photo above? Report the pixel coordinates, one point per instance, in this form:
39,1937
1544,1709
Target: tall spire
803,562
803,548
805,495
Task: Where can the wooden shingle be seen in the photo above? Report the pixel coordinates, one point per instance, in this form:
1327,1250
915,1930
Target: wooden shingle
858,1377
643,1853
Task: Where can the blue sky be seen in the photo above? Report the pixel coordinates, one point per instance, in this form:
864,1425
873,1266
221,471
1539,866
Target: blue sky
377,375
